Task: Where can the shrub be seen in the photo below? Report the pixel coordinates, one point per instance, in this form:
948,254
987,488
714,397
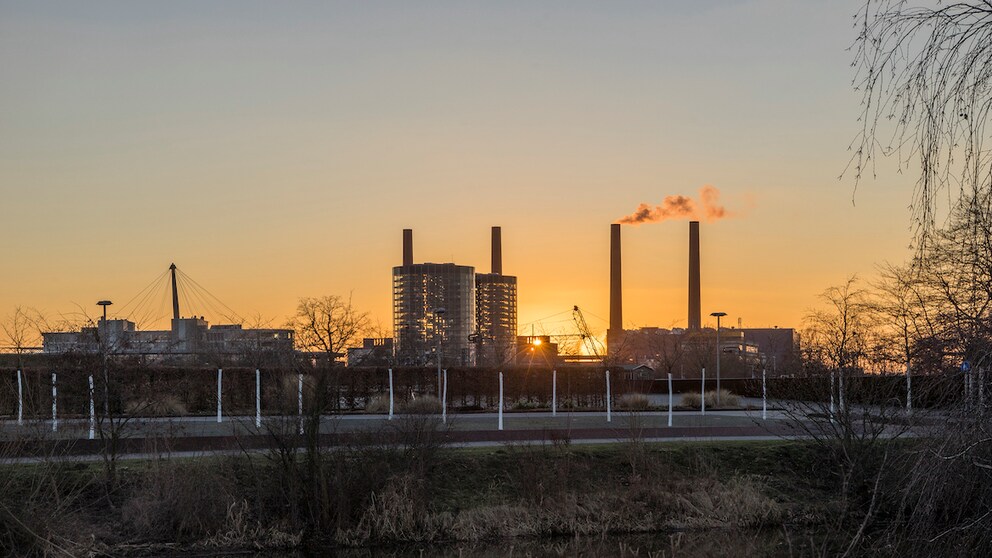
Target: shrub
423,405
727,400
633,402
178,501
163,406
690,400
378,404
282,395
524,405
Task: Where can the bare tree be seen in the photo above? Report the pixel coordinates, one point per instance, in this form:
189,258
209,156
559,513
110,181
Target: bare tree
21,331
328,324
839,333
925,75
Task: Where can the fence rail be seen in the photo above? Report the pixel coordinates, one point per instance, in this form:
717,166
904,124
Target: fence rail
193,391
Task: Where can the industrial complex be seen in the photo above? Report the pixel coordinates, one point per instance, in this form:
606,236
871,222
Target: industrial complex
187,336
451,315
448,312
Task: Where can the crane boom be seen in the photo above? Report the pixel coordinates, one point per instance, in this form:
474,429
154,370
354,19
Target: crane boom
588,339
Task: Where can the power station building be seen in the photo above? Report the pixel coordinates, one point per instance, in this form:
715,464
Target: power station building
449,312
689,348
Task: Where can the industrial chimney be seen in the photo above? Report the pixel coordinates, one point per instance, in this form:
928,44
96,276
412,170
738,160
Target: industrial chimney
615,332
695,319
407,247
497,251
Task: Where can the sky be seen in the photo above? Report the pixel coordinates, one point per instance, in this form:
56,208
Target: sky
277,150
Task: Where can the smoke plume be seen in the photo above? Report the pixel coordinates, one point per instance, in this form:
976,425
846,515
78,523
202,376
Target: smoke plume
707,208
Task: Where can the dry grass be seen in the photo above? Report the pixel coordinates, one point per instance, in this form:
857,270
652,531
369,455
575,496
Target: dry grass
690,400
728,400
378,404
633,402
392,515
423,405
736,503
163,406
178,501
284,394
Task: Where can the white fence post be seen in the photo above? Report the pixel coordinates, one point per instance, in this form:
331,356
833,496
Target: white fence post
299,400
220,380
500,412
764,395
670,399
258,398
609,417
554,393
20,400
702,395
390,394
55,404
444,398
92,411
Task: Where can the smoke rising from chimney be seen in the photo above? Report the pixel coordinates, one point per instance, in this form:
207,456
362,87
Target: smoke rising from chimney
708,209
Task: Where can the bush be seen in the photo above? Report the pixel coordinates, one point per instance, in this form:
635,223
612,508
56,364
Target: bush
282,395
524,405
423,405
378,404
178,502
164,406
690,400
633,402
727,400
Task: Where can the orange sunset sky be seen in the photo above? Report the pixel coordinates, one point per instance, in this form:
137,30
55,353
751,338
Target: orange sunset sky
277,150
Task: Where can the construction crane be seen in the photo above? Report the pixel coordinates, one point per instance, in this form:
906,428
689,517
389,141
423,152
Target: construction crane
592,344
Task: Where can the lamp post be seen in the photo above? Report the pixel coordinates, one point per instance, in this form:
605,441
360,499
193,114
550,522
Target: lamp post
438,318
718,315
104,304
103,351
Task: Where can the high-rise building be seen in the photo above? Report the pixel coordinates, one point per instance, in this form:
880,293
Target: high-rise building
448,309
433,311
495,310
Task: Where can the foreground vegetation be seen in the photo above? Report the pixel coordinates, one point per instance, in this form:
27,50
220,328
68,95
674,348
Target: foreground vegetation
372,495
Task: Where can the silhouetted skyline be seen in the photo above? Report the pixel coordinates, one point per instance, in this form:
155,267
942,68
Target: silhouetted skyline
274,152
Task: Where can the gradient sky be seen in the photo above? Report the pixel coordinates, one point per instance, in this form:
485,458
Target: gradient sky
276,150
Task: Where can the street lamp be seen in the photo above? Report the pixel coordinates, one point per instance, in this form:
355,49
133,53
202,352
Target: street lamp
103,349
105,304
718,315
438,317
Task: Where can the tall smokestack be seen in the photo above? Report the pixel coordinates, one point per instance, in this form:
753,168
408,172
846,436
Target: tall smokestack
497,251
616,291
695,320
407,247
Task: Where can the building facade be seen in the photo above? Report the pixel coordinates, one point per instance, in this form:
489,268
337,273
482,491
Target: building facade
496,318
187,336
434,314
449,312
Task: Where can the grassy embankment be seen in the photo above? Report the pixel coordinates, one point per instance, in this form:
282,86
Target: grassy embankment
365,496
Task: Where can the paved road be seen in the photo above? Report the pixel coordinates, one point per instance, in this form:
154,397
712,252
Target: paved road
192,436
78,428
204,435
